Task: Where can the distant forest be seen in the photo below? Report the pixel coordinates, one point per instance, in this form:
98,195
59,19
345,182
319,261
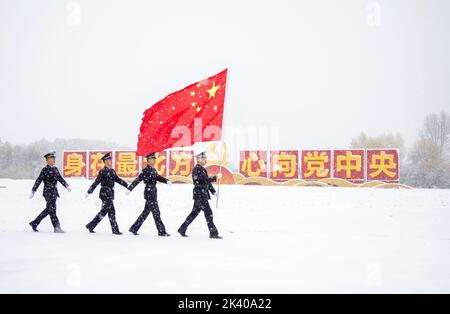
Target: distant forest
26,161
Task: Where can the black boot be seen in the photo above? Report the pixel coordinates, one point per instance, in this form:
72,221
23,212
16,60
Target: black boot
34,227
58,230
117,232
164,234
90,230
133,232
182,232
215,236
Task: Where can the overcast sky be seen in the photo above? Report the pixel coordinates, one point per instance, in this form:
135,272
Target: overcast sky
319,72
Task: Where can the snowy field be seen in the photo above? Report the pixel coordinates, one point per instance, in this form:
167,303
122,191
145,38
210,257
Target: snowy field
276,240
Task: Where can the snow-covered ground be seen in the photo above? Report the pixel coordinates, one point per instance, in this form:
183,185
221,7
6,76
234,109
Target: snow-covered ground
276,240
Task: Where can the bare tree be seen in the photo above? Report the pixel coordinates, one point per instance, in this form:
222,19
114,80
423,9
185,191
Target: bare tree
427,165
427,168
437,130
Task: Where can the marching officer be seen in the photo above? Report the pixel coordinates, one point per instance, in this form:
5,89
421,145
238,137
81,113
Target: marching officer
150,176
50,176
202,187
107,177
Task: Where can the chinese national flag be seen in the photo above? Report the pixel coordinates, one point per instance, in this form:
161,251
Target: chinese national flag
180,119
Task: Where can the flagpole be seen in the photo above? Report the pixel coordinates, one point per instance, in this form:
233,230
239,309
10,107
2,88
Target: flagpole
223,127
220,171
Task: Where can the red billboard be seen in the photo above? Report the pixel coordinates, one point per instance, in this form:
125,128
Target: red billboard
316,164
253,163
349,165
95,163
181,162
382,165
74,164
284,165
126,164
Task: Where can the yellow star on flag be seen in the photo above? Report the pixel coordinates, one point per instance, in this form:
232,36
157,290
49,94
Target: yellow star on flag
212,91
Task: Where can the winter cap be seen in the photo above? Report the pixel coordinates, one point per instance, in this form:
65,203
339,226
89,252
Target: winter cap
107,156
50,155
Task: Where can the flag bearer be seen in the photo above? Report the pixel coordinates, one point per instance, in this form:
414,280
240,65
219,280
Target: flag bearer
202,187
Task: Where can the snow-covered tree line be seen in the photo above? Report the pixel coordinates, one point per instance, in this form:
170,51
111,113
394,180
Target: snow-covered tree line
25,161
427,163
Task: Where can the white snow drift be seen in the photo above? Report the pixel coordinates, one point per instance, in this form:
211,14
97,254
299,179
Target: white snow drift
276,239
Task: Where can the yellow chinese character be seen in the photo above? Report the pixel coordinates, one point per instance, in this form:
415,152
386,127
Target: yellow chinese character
283,163
383,163
315,164
217,154
96,163
182,159
348,163
74,165
127,164
247,165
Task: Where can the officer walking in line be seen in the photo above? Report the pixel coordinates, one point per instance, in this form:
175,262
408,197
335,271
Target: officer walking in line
150,176
107,177
202,187
50,176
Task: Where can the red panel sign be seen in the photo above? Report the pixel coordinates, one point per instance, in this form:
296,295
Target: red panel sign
382,164
74,164
253,163
126,164
316,164
95,162
181,162
284,165
349,165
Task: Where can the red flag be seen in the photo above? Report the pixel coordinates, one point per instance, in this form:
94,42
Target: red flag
193,114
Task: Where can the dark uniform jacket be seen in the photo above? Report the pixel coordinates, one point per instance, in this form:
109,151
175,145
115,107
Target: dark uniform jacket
150,176
202,183
50,176
107,177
